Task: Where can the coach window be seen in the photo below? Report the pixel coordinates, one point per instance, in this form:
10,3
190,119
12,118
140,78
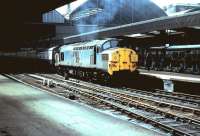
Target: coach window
62,56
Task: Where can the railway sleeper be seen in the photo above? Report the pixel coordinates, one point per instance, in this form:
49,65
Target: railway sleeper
173,116
171,130
159,118
162,105
178,125
196,112
140,116
118,108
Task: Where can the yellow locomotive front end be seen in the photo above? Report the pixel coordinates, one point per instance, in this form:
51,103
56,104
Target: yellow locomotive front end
122,60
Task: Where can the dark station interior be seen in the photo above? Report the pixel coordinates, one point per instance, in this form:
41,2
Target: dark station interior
149,72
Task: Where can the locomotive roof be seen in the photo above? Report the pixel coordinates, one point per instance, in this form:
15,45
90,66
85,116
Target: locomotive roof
87,43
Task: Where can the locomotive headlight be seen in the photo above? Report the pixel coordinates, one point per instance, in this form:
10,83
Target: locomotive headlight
105,57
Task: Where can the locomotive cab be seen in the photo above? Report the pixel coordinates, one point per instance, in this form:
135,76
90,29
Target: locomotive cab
117,59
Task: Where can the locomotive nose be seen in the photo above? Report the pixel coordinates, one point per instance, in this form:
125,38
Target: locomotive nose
123,60
127,59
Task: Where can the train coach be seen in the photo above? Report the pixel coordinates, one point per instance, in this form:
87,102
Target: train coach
46,55
97,59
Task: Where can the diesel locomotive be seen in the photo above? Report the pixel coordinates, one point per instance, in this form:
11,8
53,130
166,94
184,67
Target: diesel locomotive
97,59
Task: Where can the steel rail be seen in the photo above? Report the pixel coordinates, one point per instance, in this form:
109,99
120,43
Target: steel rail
194,107
131,102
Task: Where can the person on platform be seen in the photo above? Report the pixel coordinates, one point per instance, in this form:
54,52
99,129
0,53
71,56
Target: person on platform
148,61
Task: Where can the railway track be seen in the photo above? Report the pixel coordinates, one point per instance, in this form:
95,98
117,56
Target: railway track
187,98
189,103
192,100
164,114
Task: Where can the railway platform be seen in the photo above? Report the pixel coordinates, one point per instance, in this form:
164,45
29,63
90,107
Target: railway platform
27,111
172,76
186,83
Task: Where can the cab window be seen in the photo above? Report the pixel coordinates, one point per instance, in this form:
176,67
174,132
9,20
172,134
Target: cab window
114,43
106,45
110,44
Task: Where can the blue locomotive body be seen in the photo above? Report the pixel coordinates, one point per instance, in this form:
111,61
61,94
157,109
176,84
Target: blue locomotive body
97,58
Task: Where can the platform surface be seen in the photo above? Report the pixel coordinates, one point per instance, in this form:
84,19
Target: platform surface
172,76
25,111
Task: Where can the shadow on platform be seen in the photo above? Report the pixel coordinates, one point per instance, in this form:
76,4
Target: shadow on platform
23,65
